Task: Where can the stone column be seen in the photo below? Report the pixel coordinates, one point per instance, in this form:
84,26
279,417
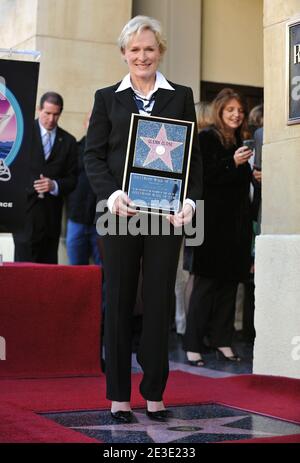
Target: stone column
77,40
181,21
277,266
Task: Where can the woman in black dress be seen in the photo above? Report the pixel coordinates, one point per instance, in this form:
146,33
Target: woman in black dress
224,258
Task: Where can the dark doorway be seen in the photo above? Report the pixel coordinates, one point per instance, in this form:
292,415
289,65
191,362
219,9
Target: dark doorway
254,95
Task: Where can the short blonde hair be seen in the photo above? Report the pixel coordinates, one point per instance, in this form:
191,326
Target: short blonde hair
139,24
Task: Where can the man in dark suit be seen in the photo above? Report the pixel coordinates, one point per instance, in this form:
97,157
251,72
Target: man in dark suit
53,174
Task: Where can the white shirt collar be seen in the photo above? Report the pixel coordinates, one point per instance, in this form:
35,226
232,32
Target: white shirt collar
160,82
43,131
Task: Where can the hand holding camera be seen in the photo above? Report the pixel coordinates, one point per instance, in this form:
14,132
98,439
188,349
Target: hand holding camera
244,153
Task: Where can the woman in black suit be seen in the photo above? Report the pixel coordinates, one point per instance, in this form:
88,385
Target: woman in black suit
224,258
146,91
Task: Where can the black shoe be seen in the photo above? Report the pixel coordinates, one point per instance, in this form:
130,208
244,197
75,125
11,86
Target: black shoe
231,358
122,417
160,415
196,363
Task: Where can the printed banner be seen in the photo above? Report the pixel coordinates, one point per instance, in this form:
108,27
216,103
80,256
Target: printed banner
18,88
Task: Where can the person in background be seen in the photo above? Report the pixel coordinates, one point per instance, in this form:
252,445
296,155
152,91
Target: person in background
224,258
146,91
204,115
182,277
255,122
82,239
248,331
257,167
256,117
53,175
185,277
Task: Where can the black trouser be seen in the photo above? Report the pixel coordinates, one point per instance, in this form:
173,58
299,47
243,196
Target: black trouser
211,311
43,250
36,242
248,313
122,257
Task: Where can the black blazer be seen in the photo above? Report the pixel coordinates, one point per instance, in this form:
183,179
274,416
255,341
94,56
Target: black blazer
60,166
108,134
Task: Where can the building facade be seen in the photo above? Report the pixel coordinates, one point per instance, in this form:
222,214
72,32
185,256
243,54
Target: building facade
211,43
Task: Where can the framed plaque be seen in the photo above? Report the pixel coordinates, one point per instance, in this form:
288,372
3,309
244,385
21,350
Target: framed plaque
293,72
157,163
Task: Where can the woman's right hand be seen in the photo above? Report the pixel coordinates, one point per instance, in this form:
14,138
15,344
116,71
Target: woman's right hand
122,205
242,155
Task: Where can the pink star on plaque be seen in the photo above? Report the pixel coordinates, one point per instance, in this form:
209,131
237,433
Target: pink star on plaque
160,148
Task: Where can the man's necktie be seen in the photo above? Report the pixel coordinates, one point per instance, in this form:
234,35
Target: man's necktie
47,144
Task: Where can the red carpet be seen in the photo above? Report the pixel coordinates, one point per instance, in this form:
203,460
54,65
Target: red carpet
276,397
269,395
18,425
50,319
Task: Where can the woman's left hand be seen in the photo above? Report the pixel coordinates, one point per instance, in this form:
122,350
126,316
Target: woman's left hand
183,217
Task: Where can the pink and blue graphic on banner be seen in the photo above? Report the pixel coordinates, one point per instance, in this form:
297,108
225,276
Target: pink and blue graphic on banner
18,88
11,131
